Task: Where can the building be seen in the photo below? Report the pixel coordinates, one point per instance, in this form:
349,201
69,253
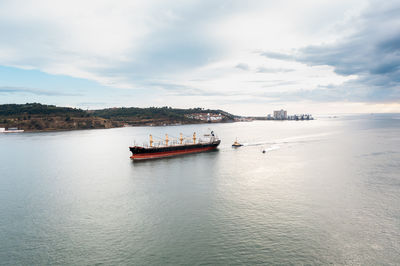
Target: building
209,117
280,115
300,117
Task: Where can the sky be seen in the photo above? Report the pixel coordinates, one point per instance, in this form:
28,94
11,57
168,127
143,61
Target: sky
246,57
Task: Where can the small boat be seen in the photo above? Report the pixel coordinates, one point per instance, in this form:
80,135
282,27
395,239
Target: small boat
11,130
236,144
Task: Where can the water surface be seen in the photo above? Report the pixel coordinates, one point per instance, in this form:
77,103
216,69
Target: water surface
326,191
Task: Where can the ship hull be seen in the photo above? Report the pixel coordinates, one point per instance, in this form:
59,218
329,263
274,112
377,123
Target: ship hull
139,153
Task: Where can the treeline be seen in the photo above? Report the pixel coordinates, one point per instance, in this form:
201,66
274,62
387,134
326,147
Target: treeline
144,113
154,112
38,109
36,116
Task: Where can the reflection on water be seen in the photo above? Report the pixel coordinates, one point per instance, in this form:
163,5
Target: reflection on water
325,191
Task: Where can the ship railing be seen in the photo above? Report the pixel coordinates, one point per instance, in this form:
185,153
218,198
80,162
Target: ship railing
186,140
176,143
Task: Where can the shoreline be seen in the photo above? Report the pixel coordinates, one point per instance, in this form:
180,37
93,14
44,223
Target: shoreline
148,125
36,117
112,127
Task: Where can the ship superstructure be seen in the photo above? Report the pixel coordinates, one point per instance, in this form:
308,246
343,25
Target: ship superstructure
11,130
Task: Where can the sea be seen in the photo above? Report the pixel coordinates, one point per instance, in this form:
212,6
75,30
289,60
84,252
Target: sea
325,191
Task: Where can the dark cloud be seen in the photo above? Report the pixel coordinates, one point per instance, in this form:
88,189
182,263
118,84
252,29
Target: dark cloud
279,56
372,53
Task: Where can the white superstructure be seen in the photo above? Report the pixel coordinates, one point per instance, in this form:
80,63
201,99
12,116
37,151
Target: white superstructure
11,130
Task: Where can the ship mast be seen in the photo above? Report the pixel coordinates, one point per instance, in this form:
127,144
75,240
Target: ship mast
166,140
151,141
194,138
181,138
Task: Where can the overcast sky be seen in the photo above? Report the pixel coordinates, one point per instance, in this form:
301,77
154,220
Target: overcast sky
246,57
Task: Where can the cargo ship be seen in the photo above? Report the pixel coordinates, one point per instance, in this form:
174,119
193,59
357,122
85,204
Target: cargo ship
168,148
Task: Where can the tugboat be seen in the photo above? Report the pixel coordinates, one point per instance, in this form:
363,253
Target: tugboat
164,149
236,144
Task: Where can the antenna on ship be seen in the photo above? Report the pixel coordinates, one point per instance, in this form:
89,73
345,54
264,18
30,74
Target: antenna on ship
181,138
166,140
194,137
151,140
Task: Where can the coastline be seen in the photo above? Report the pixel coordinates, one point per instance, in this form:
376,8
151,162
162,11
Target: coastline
119,126
36,117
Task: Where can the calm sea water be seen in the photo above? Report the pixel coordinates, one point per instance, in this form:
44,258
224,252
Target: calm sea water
326,191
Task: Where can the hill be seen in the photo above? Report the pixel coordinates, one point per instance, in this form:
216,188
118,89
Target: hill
37,109
160,115
41,117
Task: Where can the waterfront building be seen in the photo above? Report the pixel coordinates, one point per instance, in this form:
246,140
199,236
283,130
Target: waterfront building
209,117
300,117
280,115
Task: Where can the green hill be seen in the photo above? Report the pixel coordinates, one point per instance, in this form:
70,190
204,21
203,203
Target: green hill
41,117
37,109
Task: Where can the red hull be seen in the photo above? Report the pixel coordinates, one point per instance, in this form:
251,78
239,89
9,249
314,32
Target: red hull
169,154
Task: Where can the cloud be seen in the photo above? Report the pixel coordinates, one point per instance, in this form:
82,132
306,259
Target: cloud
23,90
243,66
143,51
371,53
277,55
344,93
116,44
273,70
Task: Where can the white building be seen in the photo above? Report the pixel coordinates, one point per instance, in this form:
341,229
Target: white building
280,115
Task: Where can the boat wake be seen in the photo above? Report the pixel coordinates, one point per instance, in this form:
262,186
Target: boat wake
304,138
272,148
278,143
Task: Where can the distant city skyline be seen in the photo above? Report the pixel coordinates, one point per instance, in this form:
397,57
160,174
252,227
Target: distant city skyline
245,57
